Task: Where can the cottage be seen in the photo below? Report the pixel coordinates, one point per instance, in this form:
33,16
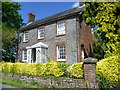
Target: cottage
62,37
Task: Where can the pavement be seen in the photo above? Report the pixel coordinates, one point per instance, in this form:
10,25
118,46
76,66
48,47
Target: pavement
3,86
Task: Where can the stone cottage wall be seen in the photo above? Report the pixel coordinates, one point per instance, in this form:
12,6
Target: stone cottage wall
49,82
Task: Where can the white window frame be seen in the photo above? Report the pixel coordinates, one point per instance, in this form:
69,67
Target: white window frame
41,31
58,53
23,56
61,28
25,38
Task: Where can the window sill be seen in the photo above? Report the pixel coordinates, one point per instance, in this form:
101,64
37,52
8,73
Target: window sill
25,41
24,61
60,35
40,39
61,59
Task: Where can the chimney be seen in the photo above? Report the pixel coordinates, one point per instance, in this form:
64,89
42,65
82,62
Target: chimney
31,17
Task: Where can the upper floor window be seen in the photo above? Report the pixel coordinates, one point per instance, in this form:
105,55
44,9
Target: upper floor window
61,55
40,32
60,28
25,37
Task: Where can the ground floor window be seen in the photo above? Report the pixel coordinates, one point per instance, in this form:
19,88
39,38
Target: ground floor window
61,55
24,55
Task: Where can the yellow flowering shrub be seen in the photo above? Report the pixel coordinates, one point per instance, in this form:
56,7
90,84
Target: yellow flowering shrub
108,68
76,70
50,68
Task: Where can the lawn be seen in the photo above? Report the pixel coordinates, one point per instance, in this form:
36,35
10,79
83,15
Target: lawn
21,84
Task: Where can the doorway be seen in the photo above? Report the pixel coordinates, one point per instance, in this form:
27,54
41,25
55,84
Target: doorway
33,55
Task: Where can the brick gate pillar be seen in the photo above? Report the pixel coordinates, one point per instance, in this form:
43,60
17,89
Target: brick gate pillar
89,71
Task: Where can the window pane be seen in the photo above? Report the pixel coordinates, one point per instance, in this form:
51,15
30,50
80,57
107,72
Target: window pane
26,36
60,28
25,54
41,32
61,50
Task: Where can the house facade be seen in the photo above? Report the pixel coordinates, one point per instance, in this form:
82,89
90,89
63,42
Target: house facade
62,37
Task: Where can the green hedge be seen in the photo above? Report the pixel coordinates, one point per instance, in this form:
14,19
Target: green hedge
108,68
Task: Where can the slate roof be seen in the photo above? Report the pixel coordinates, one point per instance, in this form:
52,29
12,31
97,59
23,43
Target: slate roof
54,17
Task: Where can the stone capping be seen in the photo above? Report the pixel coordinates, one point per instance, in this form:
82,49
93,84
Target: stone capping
89,60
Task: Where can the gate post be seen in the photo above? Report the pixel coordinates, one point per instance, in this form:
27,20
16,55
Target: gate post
89,71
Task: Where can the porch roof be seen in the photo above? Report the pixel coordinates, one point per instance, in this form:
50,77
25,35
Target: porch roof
37,45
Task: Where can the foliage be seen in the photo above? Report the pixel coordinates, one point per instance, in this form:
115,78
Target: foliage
98,50
8,43
104,83
39,69
0,66
56,69
108,68
107,16
11,21
10,15
63,66
76,70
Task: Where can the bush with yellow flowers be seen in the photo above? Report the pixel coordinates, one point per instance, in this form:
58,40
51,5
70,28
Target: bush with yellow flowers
108,68
76,70
39,69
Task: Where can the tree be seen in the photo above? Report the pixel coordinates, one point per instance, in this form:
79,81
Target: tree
106,16
11,21
8,41
10,14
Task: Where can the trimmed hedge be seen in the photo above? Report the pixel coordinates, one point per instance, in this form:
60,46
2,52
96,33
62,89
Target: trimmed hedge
108,68
56,69
76,70
39,69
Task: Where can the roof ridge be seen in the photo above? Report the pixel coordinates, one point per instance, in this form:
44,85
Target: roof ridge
52,17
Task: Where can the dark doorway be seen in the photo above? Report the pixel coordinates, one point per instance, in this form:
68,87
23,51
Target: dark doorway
34,55
83,52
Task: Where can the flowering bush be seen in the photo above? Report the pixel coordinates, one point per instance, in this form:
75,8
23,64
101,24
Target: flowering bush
76,70
108,68
50,68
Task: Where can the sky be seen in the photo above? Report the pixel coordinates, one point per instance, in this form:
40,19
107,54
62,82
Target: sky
44,9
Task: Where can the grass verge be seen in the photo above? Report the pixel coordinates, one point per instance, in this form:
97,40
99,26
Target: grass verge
20,84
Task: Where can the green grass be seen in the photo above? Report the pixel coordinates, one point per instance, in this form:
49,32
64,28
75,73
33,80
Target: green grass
21,84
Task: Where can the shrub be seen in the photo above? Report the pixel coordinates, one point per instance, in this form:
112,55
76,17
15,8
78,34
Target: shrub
104,83
50,68
76,70
63,66
108,68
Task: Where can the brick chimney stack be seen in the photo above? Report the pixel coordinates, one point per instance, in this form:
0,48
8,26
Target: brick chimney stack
31,17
